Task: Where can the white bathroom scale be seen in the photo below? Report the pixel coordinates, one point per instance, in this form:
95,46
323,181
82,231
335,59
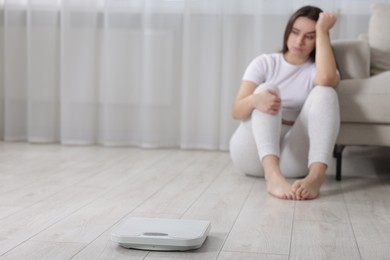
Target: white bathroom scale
161,234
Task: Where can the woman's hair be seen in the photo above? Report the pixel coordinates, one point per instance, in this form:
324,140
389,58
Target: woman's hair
308,11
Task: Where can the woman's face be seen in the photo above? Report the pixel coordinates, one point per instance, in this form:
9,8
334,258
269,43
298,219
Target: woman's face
302,39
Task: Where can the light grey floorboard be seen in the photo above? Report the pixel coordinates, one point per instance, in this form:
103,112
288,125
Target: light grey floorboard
220,204
329,207
44,251
264,225
323,240
26,223
62,202
89,222
225,255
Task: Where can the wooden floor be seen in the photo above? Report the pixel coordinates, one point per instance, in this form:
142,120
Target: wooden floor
61,202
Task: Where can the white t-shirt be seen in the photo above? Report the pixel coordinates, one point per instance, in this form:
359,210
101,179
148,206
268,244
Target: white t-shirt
293,81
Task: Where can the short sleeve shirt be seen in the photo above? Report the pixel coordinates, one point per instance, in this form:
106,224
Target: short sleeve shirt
293,81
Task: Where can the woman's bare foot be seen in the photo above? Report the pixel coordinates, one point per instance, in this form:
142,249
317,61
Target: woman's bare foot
279,187
309,187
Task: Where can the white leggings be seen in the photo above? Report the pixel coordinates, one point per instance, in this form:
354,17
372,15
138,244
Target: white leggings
311,138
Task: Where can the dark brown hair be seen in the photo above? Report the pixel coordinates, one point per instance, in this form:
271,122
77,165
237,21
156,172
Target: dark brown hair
308,11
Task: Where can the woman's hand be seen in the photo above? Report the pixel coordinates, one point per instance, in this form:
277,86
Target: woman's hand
267,101
326,21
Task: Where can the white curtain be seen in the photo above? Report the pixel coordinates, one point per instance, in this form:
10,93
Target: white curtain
150,73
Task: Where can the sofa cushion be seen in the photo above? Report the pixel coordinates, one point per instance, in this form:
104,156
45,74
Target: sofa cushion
365,100
352,58
379,38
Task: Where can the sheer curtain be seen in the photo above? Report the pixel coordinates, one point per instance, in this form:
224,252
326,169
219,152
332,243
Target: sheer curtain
150,73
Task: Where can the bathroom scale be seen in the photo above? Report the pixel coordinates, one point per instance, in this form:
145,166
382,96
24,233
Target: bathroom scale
161,234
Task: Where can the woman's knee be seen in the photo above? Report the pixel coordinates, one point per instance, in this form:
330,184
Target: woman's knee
323,97
324,92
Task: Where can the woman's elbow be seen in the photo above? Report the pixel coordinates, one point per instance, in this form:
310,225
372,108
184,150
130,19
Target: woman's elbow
235,115
331,81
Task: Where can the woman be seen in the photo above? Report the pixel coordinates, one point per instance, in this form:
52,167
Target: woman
289,109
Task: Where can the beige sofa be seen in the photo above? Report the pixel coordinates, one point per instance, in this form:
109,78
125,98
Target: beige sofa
364,90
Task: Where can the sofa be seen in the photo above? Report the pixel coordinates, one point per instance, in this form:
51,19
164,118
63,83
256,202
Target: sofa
364,89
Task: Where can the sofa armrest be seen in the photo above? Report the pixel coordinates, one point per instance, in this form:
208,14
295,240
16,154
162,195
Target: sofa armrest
352,58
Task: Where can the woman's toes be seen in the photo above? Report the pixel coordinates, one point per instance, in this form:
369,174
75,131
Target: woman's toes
305,194
295,186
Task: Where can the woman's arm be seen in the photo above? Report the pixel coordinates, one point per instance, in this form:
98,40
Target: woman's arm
325,61
246,101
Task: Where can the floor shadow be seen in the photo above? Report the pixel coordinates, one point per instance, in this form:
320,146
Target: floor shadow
351,184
